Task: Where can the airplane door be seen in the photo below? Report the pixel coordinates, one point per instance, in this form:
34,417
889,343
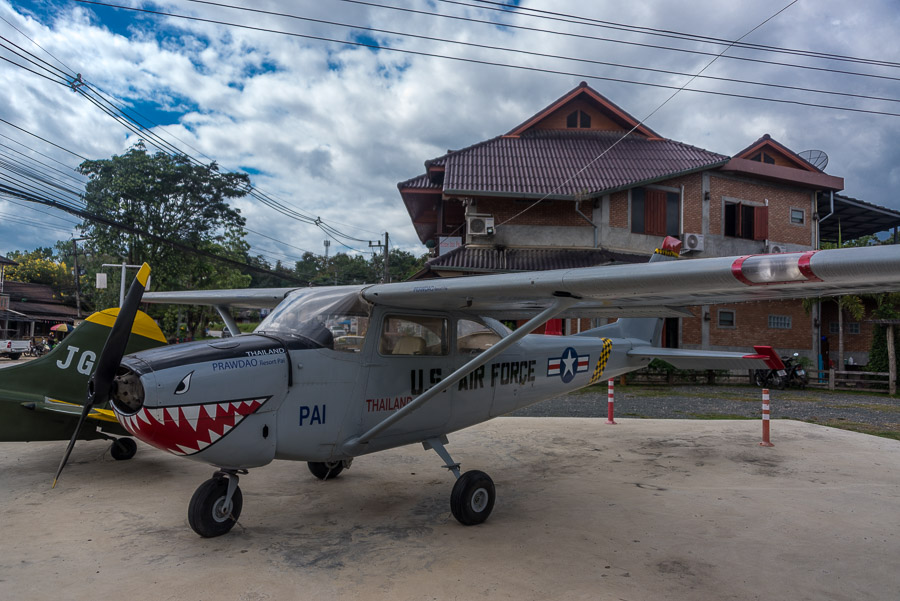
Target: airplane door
412,355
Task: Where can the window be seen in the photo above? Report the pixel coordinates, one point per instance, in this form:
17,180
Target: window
798,216
851,327
473,337
655,212
413,335
746,221
726,318
763,157
578,119
780,322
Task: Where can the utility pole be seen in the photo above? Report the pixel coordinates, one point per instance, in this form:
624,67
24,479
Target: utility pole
77,276
386,276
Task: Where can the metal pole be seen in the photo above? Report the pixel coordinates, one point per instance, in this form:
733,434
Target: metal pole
122,286
387,273
77,283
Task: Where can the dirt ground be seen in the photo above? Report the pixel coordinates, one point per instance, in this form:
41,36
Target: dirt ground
647,509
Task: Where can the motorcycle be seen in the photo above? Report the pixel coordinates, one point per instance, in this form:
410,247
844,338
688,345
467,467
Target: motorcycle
792,374
796,375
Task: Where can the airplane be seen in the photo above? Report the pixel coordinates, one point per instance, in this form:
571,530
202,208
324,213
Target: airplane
42,399
415,361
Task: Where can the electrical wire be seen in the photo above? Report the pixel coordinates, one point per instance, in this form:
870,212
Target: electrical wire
490,63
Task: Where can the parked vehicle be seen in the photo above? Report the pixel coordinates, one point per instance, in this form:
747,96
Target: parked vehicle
793,374
771,378
13,349
38,349
796,375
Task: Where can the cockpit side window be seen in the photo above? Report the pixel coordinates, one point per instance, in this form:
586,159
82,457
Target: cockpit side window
414,335
473,337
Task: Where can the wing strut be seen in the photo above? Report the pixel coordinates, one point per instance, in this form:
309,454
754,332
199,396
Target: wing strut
228,320
352,445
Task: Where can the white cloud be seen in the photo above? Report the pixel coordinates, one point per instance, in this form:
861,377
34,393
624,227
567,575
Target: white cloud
332,128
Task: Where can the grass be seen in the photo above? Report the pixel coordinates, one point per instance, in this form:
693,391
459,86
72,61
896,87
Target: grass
882,431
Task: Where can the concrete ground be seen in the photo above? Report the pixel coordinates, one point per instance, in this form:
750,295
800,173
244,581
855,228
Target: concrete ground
647,509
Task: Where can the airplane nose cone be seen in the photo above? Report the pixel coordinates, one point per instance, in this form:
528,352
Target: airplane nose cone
127,393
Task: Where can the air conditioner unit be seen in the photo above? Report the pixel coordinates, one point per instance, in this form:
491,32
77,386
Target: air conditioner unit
693,242
775,248
480,225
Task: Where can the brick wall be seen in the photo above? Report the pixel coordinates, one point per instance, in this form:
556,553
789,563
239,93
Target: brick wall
781,200
618,209
559,213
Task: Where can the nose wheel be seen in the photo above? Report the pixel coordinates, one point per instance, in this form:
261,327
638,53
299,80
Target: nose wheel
216,505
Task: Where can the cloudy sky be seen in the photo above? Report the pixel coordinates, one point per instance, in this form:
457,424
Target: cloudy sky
329,128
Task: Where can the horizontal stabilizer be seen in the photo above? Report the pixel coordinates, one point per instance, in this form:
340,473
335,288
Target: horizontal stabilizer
72,410
700,359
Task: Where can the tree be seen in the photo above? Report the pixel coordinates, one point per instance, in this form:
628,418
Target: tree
168,198
42,266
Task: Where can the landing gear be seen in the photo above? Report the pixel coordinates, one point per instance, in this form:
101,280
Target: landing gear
472,499
216,505
473,495
326,470
123,448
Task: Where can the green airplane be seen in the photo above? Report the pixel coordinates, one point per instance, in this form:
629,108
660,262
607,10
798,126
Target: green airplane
43,398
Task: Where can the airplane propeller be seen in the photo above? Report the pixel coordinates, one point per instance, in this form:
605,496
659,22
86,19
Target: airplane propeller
101,381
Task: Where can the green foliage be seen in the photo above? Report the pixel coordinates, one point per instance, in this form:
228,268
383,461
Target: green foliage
169,197
41,266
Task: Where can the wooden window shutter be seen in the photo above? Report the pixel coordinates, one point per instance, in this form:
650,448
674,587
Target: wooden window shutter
760,223
655,213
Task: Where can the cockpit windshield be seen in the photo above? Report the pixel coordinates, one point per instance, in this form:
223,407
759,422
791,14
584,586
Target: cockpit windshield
334,317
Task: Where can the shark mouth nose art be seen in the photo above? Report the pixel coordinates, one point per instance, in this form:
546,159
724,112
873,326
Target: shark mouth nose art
188,429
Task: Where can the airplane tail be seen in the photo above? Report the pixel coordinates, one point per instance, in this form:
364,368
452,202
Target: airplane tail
58,380
641,328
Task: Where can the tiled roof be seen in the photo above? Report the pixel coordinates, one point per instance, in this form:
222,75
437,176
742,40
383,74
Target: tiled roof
475,260
420,182
565,163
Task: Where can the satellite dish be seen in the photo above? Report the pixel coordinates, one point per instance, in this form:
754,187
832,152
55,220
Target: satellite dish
816,158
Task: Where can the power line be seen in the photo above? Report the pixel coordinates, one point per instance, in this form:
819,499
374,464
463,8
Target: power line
668,33
611,40
492,63
543,54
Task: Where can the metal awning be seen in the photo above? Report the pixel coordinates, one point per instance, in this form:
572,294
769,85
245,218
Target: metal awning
853,218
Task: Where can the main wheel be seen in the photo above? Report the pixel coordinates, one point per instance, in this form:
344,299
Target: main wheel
208,514
123,448
325,470
472,499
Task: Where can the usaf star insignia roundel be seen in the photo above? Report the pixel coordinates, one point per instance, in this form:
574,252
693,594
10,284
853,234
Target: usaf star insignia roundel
569,364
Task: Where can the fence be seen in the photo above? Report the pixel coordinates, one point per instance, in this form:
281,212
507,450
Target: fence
863,381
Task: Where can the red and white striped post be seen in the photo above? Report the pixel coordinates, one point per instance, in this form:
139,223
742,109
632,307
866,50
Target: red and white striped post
611,401
765,419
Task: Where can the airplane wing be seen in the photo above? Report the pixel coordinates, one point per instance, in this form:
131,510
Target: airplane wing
245,298
71,410
621,289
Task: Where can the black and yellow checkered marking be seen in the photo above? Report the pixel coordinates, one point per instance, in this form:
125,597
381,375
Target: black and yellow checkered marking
601,362
668,253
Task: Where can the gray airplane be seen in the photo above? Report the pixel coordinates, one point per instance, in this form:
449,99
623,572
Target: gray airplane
337,372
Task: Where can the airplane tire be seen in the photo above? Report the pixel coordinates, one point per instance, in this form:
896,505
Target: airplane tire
472,499
123,448
205,513
325,470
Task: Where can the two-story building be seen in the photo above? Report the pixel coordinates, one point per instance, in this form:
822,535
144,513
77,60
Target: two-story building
584,183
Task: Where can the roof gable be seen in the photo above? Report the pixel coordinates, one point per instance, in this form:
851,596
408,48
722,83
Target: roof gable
768,150
584,109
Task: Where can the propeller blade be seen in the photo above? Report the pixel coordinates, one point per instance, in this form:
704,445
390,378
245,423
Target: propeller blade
114,348
65,459
110,357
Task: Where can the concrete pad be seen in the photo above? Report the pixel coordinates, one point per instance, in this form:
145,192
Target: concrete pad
647,509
